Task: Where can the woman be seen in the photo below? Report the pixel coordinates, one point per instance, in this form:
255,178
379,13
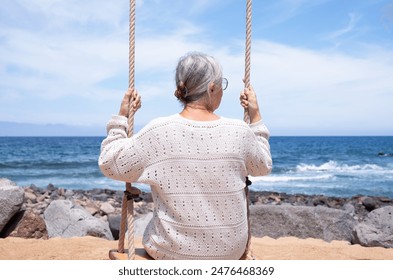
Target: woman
196,163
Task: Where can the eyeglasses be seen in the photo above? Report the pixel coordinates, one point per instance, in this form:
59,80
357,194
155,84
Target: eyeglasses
224,84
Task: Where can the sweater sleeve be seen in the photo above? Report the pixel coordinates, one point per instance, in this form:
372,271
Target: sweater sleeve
119,158
259,159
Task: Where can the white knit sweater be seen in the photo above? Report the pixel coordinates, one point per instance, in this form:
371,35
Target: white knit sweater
197,173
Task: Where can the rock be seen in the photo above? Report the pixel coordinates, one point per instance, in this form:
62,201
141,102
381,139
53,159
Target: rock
140,224
61,192
12,224
4,182
114,224
147,197
376,229
51,187
64,219
31,196
54,196
141,208
11,200
309,224
31,225
91,208
34,188
348,207
100,197
320,200
43,197
369,203
107,208
302,222
68,193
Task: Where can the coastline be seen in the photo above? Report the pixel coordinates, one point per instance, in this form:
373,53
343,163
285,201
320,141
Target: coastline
36,199
105,205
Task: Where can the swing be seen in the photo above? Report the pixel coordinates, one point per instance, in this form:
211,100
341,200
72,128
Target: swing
131,193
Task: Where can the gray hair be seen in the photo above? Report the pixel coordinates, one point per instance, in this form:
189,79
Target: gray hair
194,72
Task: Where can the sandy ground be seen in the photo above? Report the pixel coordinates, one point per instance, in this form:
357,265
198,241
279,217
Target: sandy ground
91,248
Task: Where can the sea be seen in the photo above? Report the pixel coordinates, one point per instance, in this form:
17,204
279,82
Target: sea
332,166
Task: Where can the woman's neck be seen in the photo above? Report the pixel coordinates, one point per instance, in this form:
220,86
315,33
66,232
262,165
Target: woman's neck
198,113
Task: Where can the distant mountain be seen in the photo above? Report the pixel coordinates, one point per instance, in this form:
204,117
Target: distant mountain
27,129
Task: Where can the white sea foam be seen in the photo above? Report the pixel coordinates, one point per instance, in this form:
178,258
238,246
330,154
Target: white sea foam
325,173
334,167
286,178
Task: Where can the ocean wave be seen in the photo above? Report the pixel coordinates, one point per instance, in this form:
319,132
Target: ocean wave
286,178
333,166
326,173
42,164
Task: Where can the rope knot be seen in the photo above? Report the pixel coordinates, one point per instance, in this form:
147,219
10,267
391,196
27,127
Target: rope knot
133,194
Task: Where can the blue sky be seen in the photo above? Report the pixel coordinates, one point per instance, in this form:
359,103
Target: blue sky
320,67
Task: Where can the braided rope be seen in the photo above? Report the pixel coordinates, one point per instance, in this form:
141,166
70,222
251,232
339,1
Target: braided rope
131,50
247,253
248,53
123,225
130,225
127,212
131,85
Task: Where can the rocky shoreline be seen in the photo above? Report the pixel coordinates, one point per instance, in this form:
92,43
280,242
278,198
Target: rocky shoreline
360,206
103,206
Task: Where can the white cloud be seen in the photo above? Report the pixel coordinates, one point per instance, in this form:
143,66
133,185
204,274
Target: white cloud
353,20
298,88
333,89
61,13
347,33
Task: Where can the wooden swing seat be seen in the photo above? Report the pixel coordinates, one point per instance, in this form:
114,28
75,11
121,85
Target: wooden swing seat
140,254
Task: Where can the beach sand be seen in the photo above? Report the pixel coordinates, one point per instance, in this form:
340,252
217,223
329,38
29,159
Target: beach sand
92,248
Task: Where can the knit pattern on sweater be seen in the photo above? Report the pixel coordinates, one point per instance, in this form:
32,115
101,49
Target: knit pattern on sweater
197,173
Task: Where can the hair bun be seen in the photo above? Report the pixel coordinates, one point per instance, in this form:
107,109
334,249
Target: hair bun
182,88
181,91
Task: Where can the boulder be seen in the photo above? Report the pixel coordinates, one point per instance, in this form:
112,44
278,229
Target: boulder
376,229
11,201
30,197
64,219
31,225
302,222
369,203
114,224
107,208
140,224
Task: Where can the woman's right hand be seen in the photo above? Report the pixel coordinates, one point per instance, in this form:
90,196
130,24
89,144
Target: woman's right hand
248,100
131,98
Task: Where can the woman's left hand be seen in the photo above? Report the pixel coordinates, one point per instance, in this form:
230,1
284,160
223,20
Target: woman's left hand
131,100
